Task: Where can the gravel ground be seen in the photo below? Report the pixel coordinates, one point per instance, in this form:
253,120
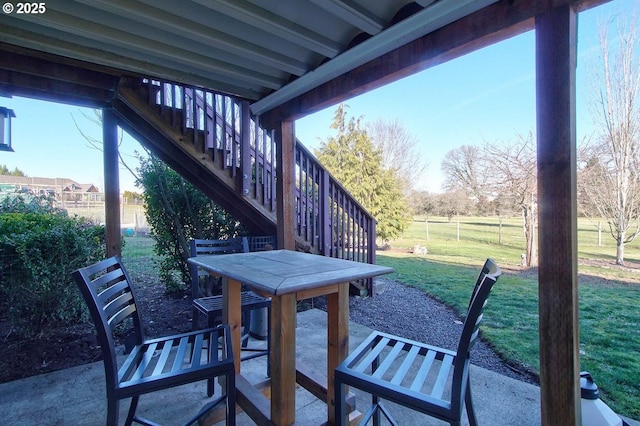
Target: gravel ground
408,312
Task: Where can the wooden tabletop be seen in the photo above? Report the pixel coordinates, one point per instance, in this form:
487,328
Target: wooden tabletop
281,272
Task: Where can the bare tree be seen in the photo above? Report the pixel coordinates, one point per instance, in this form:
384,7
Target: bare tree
609,176
513,178
399,151
463,171
94,143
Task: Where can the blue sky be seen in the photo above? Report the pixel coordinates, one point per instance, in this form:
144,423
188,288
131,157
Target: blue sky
487,95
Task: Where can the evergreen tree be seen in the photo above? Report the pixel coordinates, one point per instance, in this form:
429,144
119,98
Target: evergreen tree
354,160
4,170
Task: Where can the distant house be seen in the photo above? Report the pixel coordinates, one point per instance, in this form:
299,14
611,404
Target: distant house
62,189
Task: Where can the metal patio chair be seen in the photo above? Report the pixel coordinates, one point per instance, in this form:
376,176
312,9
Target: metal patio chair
153,364
211,306
425,378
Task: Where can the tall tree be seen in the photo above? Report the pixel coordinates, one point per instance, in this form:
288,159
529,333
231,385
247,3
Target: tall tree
399,150
462,170
354,160
500,176
513,179
609,176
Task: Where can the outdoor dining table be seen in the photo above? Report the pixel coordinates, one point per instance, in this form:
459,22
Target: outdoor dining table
287,277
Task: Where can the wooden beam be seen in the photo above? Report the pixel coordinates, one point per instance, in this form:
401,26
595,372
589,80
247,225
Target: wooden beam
111,182
14,83
27,73
556,44
285,185
489,25
35,66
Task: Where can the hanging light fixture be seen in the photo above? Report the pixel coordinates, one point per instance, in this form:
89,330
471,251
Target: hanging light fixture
6,115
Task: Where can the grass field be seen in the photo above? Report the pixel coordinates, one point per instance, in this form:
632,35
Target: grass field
609,295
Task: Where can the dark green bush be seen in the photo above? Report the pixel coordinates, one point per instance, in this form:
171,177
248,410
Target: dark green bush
38,252
178,212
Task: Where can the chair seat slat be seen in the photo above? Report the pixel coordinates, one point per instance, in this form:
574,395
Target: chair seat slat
443,375
164,356
427,362
182,350
375,351
149,353
130,363
196,350
406,365
388,360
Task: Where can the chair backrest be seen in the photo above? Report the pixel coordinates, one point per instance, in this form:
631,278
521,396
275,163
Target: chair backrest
229,245
471,328
486,268
106,288
199,247
262,242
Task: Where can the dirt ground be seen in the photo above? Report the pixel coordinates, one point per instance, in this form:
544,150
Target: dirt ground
77,345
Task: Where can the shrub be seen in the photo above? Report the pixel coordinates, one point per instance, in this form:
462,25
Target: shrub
39,250
178,212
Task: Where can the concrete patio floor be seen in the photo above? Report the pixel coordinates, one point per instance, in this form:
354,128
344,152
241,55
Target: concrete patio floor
76,396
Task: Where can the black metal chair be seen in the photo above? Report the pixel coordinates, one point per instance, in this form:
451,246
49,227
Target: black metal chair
152,364
425,378
211,306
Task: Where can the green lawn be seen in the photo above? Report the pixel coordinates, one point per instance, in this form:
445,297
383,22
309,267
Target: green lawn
609,296
139,257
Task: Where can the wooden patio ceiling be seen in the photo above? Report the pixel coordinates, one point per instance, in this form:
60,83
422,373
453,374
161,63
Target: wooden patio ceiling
287,57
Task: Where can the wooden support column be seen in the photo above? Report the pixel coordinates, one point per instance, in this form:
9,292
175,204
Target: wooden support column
283,359
283,308
337,340
558,281
285,184
245,149
111,182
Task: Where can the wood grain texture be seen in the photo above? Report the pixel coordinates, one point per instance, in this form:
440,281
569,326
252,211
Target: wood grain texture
558,283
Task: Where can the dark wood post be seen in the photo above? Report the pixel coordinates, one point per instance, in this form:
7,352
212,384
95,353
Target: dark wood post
111,182
325,209
558,268
285,184
245,149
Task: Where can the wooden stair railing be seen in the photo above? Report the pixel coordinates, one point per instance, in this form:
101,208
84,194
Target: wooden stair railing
220,128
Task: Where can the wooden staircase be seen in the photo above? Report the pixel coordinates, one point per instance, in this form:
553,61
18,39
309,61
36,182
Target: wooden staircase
215,143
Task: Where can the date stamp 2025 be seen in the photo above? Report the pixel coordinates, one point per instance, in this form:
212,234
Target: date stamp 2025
24,8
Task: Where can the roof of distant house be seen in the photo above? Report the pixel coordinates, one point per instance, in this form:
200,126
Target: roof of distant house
67,185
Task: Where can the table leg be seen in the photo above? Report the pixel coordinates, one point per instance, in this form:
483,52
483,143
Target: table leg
283,359
232,315
338,340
